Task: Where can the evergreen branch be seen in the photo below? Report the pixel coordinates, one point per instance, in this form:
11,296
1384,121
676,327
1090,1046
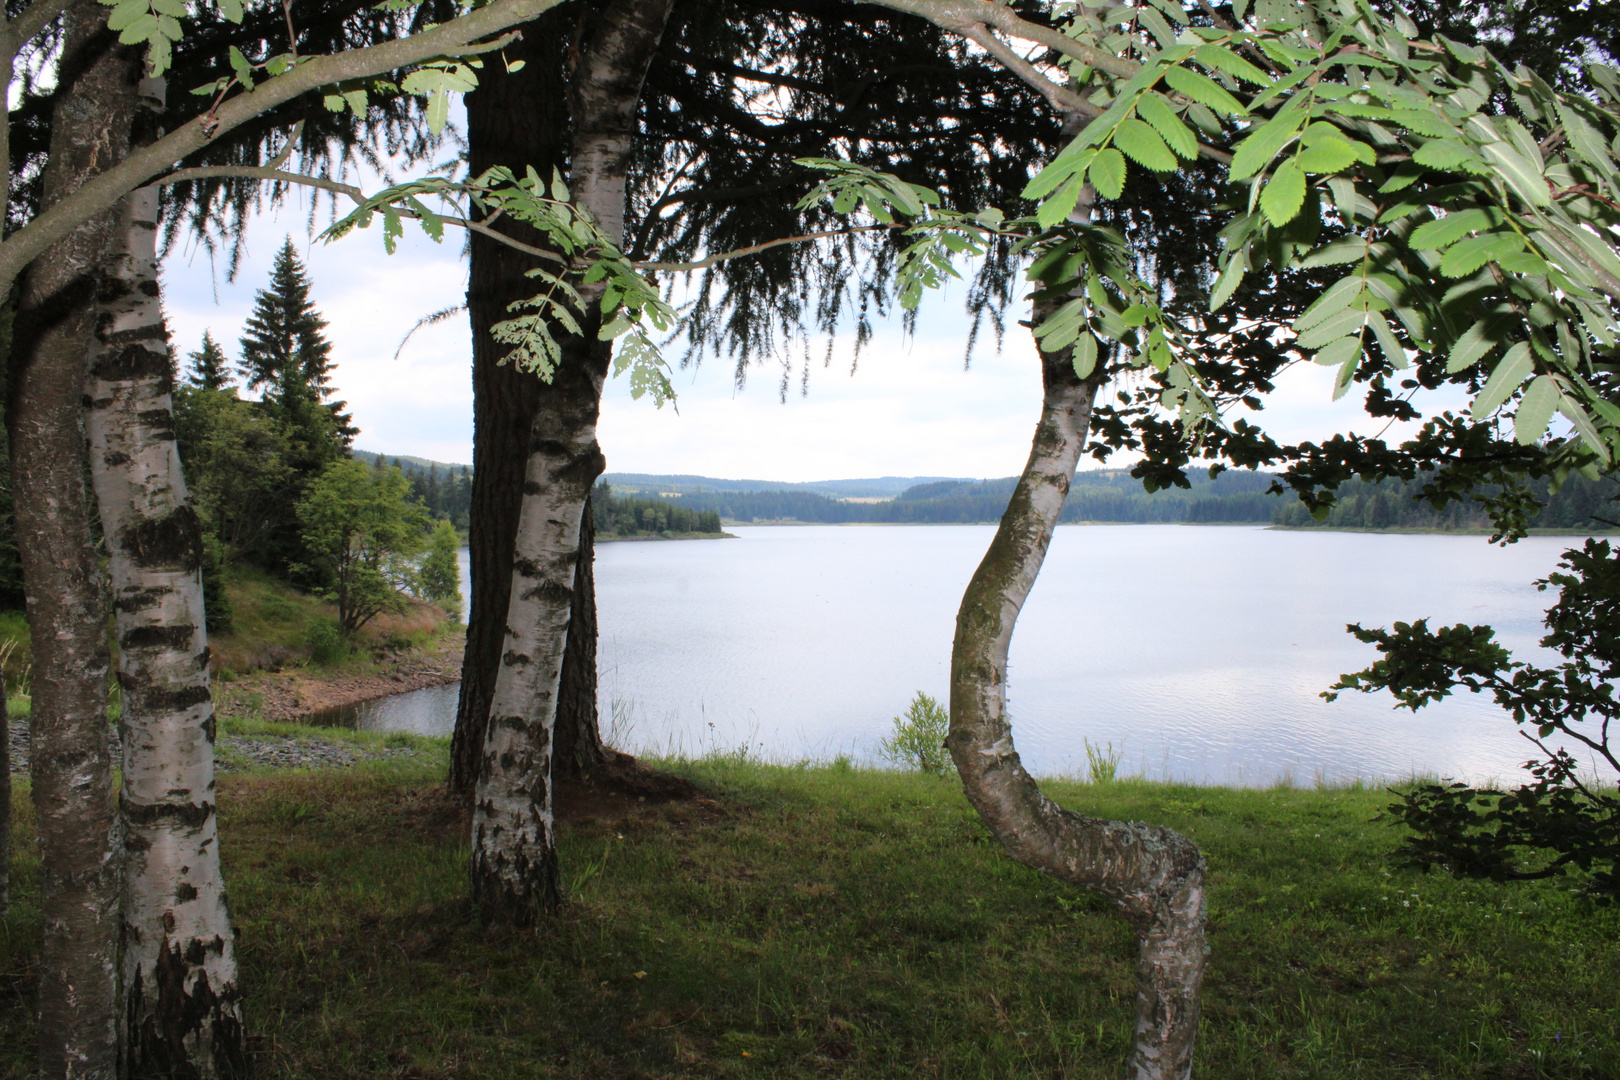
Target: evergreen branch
456,37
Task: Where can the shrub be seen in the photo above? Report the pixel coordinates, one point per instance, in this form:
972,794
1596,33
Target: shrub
325,641
919,737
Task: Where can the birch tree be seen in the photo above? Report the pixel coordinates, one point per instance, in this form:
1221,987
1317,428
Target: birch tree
181,1006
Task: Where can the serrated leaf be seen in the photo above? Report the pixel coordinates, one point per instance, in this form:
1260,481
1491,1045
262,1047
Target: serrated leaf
1142,144
1535,410
1347,250
1223,59
1157,112
1349,321
1338,352
1576,415
1442,232
1521,175
142,28
1229,280
232,10
126,13
240,65
438,111
1199,87
1084,355
1060,204
1450,155
1325,155
1479,339
333,102
169,27
1107,173
1256,151
1340,295
1466,256
1393,352
1284,193
1510,371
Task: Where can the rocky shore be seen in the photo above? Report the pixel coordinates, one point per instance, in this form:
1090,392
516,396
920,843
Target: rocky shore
292,696
240,752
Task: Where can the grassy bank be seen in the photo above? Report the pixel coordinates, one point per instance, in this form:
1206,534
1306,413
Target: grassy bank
828,921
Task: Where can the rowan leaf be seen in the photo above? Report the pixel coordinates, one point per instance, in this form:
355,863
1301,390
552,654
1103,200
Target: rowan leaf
1535,410
1522,175
1223,59
1143,145
1466,256
1284,194
1349,321
1325,155
1084,355
1107,173
1157,112
1230,278
1347,250
1256,151
1479,339
1443,232
1338,296
1199,87
1510,372
1450,155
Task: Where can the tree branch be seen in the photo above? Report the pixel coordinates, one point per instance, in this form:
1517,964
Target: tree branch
959,16
1060,98
453,38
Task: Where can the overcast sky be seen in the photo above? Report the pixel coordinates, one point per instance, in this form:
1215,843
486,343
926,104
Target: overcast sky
909,410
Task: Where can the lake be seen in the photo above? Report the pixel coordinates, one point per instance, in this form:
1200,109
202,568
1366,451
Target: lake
1198,652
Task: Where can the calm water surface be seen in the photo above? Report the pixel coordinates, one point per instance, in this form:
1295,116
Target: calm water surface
1197,651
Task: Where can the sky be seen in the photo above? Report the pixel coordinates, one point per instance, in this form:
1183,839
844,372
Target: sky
910,408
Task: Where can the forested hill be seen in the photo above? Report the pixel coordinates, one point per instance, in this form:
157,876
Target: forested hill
1113,495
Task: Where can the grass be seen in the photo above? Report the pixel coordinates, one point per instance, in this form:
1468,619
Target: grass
834,921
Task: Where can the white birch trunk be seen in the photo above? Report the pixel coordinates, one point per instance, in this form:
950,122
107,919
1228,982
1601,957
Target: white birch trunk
181,1009
514,861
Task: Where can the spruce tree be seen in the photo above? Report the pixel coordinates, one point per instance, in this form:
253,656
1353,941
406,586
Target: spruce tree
210,367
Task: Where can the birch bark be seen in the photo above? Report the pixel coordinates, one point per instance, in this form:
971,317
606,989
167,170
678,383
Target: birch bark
514,862
1154,876
181,1008
68,757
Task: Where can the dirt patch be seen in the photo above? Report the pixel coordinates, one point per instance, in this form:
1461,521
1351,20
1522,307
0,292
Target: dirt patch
294,694
629,789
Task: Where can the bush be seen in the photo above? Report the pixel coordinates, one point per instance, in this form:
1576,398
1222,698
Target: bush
325,641
919,737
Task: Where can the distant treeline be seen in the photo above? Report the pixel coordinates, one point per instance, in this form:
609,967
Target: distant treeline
1115,496
615,515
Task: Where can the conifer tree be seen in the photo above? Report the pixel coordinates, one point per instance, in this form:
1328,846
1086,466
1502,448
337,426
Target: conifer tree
210,367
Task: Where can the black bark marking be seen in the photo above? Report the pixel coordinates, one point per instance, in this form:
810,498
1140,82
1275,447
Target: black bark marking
193,815
131,363
170,542
157,637
162,701
184,892
160,1035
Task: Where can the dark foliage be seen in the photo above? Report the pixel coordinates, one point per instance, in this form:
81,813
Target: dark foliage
1564,818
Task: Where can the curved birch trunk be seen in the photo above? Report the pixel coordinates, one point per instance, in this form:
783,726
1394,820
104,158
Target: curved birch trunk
1153,875
514,861
181,1009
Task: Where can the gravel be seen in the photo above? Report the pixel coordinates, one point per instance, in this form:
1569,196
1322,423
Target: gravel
236,752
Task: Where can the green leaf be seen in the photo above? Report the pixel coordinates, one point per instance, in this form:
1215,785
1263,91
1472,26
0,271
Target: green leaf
1450,155
126,13
1340,295
142,28
1349,321
1084,355
1466,256
1284,194
1522,175
232,10
1223,59
1199,87
1347,250
1060,204
1157,112
1393,352
438,111
1230,278
1535,410
1107,173
1479,339
1340,352
1143,145
1442,232
240,65
1583,424
1327,155
1255,152
1510,371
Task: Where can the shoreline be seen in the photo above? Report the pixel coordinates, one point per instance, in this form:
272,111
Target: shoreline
295,694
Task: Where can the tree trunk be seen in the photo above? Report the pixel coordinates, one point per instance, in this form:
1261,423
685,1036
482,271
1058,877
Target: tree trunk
1154,875
5,801
66,599
181,1013
516,119
580,752
514,869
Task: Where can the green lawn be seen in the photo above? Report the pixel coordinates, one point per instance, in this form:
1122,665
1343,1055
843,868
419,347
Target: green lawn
827,921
